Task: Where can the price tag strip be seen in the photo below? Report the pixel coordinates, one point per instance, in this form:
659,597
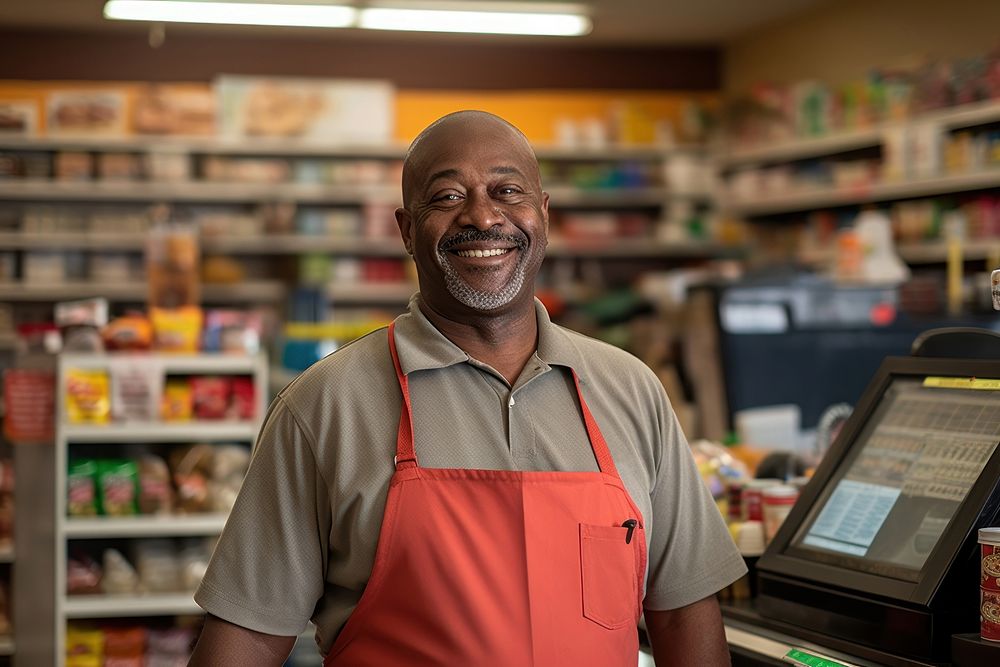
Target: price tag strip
800,656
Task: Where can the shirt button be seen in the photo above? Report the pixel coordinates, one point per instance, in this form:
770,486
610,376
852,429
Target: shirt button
510,403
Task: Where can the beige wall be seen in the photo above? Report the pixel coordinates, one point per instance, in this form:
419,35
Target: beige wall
843,39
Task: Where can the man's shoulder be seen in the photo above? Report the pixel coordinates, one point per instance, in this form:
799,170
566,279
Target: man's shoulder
365,359
606,363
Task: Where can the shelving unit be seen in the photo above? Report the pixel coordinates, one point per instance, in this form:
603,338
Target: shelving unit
924,134
69,528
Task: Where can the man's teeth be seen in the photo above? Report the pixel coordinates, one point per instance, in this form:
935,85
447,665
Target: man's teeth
482,253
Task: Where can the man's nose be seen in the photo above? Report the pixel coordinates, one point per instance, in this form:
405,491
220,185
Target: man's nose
481,211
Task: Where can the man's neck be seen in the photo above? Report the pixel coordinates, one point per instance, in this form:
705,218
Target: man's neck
505,342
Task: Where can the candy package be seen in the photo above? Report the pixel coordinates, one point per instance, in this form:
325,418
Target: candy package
156,495
83,575
244,401
88,396
134,388
81,488
210,396
117,483
120,577
177,401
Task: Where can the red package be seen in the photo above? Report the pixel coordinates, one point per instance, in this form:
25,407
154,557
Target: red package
244,398
124,642
211,396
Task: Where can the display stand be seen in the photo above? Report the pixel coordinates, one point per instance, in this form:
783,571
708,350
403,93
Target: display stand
47,637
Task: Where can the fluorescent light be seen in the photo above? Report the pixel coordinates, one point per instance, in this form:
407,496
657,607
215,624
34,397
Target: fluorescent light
495,22
239,13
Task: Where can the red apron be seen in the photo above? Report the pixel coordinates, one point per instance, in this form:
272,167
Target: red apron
498,567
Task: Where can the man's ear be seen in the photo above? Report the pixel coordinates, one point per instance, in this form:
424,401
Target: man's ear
405,223
545,211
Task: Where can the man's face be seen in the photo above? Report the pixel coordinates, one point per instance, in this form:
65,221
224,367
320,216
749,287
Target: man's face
476,217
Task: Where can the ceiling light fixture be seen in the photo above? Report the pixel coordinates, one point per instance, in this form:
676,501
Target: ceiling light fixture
235,13
504,18
501,18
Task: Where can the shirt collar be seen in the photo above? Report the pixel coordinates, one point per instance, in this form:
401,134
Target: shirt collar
421,346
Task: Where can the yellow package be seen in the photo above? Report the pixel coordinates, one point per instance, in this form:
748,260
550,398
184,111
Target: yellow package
88,396
84,646
177,403
176,329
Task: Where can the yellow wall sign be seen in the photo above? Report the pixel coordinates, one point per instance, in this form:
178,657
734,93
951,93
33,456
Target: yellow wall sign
985,384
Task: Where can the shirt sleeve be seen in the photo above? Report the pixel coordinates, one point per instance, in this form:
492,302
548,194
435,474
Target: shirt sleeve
691,554
267,572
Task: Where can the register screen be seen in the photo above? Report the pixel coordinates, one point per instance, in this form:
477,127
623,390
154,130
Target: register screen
914,462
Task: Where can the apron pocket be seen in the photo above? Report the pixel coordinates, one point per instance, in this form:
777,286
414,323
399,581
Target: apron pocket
607,566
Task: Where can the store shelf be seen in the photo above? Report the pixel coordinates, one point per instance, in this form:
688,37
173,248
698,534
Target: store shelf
278,244
638,248
125,606
932,253
374,294
880,192
172,363
71,241
309,148
567,196
144,526
245,292
970,115
803,149
194,192
130,432
204,145
638,152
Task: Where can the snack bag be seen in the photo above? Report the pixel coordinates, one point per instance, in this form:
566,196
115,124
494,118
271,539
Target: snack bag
135,388
210,396
117,482
244,403
155,493
88,396
177,402
81,488
192,468
176,329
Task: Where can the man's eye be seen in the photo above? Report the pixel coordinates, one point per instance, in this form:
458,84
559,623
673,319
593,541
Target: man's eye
448,196
509,190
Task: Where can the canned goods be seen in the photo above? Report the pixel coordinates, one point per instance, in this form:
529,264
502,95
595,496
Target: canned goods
989,584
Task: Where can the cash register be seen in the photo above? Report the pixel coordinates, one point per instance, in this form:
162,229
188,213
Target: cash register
878,562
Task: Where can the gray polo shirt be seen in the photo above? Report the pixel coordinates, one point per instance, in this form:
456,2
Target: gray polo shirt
300,542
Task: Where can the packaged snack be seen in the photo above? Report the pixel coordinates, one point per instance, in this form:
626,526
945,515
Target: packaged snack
117,483
177,402
193,562
81,488
135,388
131,332
232,331
170,641
176,329
88,396
120,577
83,576
192,468
210,396
229,467
172,267
244,400
156,496
84,642
80,323
124,642
157,566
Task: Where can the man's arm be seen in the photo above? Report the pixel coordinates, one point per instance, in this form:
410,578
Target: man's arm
691,635
223,643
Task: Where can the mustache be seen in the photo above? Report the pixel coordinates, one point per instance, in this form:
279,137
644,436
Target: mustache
474,235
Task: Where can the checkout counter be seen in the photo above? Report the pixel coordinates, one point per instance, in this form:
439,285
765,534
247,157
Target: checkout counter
878,562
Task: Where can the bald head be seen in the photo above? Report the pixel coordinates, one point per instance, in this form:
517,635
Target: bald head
449,134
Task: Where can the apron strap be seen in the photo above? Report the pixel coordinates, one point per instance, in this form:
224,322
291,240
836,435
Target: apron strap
406,455
597,442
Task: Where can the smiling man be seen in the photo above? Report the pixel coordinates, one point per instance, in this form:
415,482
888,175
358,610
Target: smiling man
473,485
